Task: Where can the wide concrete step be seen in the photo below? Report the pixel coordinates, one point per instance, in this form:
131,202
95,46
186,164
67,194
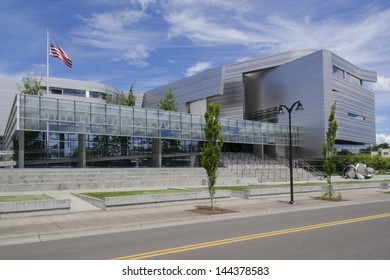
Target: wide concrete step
60,179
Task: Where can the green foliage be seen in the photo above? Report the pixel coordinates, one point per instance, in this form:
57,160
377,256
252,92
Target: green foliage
168,102
109,100
31,86
330,196
129,99
381,146
381,164
329,151
16,198
211,149
102,195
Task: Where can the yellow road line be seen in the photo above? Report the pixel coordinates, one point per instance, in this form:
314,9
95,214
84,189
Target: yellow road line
247,237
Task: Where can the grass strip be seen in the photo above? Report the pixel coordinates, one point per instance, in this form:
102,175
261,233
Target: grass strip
102,195
16,198
324,184
244,188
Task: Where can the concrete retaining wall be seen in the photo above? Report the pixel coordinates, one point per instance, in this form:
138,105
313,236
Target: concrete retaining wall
253,193
356,186
34,208
138,201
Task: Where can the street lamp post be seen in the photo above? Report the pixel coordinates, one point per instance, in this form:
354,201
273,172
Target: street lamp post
289,110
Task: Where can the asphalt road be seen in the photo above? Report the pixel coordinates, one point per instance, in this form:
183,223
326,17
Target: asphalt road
346,232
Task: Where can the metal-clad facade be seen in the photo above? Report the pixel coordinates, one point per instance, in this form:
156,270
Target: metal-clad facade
308,76
200,86
355,111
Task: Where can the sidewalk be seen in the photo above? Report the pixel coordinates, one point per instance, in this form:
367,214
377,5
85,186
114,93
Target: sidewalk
86,219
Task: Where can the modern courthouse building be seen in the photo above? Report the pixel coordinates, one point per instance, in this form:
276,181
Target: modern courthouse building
73,126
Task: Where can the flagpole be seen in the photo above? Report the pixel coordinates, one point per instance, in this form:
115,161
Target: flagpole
47,60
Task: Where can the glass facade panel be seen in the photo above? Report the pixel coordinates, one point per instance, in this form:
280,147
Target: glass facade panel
74,117
98,129
186,118
139,113
74,92
152,132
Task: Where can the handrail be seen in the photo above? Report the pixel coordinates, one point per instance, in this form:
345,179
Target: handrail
268,168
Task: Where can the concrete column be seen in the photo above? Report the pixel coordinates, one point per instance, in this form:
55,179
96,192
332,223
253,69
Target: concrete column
21,149
82,151
193,160
156,152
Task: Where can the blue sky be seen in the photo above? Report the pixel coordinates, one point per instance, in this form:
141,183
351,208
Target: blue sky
152,42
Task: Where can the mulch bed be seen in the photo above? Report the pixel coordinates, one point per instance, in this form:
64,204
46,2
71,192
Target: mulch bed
206,210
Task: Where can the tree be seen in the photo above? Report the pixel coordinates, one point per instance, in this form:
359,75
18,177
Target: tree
109,99
329,152
168,102
211,150
129,99
31,86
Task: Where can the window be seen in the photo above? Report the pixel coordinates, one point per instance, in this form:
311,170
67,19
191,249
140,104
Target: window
352,115
56,91
338,72
96,94
74,92
353,79
265,115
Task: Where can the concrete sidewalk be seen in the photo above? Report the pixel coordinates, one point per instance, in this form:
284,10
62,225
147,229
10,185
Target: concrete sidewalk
85,220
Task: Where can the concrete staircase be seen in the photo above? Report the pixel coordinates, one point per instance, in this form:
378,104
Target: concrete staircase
51,179
266,169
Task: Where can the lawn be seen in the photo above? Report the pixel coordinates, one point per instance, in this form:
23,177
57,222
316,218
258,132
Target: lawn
16,198
102,195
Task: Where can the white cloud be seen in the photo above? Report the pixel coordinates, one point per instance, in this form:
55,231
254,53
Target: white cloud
114,21
383,84
382,138
360,38
198,67
144,3
380,119
136,56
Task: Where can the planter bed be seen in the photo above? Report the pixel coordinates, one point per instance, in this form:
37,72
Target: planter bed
34,208
138,201
254,193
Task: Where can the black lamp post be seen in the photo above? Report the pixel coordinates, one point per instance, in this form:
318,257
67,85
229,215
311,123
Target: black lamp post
289,110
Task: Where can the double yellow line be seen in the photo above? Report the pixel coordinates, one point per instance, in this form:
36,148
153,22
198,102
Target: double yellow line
157,253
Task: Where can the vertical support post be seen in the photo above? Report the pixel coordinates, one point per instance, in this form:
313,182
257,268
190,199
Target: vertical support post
82,151
47,60
21,149
156,152
193,160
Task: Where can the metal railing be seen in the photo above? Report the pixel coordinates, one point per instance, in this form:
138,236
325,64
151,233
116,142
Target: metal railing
267,168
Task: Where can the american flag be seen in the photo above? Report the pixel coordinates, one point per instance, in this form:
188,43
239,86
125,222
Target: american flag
57,51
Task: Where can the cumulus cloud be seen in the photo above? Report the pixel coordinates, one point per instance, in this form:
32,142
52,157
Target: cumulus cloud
198,67
382,138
